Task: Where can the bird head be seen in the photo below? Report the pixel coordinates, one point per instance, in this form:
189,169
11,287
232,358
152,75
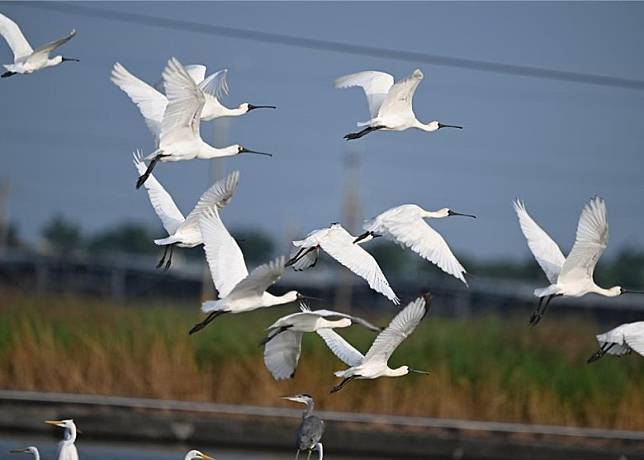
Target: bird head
60,59
196,454
454,213
68,423
300,398
618,290
25,450
246,107
241,149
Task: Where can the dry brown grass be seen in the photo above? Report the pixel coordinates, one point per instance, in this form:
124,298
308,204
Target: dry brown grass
484,368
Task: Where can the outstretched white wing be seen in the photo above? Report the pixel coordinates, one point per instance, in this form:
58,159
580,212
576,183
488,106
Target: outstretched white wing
49,47
161,201
418,236
341,348
14,37
398,330
150,102
282,353
225,259
216,84
308,260
375,84
591,240
217,196
260,279
400,97
544,249
338,243
185,102
196,71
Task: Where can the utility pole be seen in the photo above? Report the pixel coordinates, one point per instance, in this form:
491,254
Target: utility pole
350,220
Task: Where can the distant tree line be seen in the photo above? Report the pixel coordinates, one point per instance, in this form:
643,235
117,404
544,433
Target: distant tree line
65,237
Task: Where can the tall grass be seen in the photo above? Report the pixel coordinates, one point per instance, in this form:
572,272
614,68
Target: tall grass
487,368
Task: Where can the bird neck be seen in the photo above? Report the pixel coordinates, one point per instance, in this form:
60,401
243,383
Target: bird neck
270,299
309,409
611,292
36,454
207,151
432,214
398,372
70,435
429,127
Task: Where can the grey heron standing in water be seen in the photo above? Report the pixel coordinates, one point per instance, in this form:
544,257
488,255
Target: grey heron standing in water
311,429
27,450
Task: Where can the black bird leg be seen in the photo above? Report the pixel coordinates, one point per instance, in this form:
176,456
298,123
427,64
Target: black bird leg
165,252
199,326
7,74
364,132
141,180
339,386
602,351
299,255
169,261
270,337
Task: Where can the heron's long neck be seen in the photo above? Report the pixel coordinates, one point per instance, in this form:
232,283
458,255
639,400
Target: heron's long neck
309,409
36,454
70,435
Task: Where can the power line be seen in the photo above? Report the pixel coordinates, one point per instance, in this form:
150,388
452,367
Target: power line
340,47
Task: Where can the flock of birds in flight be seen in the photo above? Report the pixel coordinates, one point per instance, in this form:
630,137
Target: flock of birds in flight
173,110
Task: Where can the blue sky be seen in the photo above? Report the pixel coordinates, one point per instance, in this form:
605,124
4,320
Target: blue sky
68,133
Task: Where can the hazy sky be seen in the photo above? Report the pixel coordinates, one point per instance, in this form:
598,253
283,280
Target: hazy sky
67,133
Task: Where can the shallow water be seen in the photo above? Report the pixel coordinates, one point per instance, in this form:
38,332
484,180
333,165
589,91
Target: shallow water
96,450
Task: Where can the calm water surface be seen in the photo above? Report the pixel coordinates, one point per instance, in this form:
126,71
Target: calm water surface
96,450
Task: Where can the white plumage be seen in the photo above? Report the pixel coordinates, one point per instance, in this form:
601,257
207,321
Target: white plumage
27,450
179,136
374,364
66,447
25,58
573,275
338,243
195,454
152,101
239,291
390,104
406,225
184,232
620,341
282,345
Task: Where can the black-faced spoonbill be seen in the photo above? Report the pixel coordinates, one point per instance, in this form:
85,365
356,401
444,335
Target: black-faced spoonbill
390,105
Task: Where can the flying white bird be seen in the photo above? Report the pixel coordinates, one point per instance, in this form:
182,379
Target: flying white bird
573,275
27,450
283,343
179,136
25,58
621,341
390,105
196,454
405,225
238,290
184,232
338,243
66,448
311,428
152,102
374,364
